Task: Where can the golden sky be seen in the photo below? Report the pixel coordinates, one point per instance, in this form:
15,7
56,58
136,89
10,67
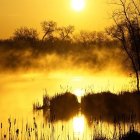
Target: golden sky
30,13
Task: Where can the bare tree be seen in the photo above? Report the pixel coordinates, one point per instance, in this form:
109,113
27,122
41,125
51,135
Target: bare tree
66,32
48,28
91,38
25,34
87,38
127,31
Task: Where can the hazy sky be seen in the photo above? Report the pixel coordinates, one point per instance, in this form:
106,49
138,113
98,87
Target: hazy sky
30,13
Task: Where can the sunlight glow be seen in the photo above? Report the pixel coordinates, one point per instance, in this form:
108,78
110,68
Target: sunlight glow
78,92
81,81
78,5
78,124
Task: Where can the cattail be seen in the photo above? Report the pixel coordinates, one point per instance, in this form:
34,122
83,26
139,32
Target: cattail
68,137
4,136
14,121
1,125
34,119
9,121
29,133
58,137
62,127
35,125
17,132
26,127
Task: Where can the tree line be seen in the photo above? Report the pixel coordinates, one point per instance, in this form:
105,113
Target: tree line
52,34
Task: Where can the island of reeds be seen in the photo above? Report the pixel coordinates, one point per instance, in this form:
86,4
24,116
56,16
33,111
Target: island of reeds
105,105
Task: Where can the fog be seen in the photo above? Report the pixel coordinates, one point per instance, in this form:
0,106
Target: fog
94,59
63,62
28,72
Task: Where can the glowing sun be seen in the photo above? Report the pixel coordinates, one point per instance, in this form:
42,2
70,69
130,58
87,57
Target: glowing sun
78,5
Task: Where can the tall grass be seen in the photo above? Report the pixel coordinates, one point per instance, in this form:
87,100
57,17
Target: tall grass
122,111
111,107
107,106
35,130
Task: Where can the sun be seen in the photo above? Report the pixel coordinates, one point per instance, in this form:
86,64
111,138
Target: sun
78,5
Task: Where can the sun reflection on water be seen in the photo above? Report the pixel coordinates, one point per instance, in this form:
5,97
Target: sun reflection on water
78,126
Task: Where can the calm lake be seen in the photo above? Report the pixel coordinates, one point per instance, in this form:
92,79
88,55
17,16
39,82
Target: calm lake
19,91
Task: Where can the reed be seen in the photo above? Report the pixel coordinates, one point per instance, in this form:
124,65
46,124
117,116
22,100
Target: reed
43,131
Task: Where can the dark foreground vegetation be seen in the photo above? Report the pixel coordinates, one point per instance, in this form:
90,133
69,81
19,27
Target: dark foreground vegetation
103,106
60,107
121,110
38,131
112,107
131,135
63,107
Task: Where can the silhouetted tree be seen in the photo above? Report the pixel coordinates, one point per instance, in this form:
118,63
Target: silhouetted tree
25,34
92,38
127,31
48,28
84,38
66,32
100,37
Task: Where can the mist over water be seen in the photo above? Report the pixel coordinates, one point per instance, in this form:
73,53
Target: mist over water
28,72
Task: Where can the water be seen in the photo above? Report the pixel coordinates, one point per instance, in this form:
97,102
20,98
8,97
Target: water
76,128
18,92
